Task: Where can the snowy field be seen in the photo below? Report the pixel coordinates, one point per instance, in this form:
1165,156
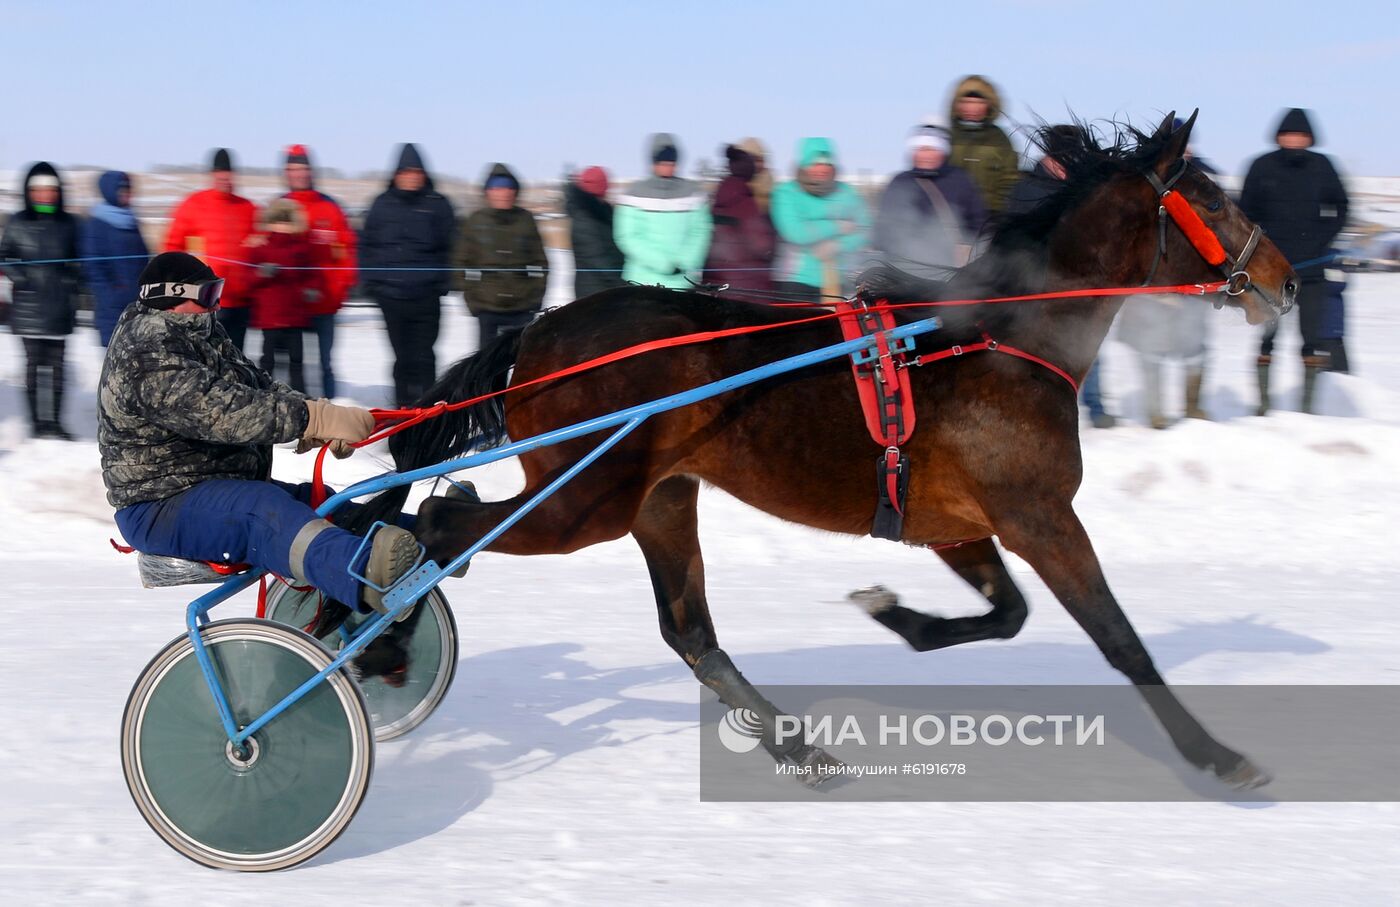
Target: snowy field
563,765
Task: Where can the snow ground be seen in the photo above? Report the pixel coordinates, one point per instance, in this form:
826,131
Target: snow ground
563,765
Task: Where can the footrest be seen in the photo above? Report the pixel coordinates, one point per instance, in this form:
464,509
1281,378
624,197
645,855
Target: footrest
158,570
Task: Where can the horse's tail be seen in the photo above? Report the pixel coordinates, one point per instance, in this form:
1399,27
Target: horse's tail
452,433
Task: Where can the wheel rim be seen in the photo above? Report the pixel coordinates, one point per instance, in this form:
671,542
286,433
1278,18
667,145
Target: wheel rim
299,780
432,653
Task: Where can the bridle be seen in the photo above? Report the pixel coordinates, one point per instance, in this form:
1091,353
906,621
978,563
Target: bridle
1205,240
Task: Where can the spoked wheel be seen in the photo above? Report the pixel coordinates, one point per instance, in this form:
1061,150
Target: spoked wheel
425,644
296,784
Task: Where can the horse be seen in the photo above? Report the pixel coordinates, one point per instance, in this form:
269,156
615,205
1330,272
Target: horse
996,454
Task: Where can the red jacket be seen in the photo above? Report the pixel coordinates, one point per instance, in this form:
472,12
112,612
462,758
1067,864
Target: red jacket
213,226
334,243
281,301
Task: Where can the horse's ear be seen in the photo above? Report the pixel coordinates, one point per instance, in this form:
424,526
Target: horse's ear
1176,142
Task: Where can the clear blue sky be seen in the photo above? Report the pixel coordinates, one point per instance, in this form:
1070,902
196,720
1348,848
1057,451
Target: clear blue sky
538,84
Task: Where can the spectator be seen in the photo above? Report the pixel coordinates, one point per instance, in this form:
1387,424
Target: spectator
286,289
1030,190
597,259
213,224
823,225
662,225
979,145
333,243
930,214
500,264
114,251
44,297
404,255
1162,328
741,252
1295,194
762,181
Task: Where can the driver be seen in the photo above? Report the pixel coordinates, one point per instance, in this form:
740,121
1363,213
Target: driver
186,425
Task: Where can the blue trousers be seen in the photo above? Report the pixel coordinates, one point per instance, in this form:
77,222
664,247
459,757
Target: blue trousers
248,522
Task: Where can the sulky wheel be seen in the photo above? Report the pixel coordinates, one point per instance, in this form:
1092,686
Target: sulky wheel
297,784
399,700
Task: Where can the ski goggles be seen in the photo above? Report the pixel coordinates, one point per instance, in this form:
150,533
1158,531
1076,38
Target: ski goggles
169,295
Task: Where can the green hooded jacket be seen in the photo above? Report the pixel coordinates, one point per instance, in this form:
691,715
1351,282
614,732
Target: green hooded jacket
806,221
983,149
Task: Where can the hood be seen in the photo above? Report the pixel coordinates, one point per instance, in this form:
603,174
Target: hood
983,86
741,163
500,170
42,168
409,158
810,149
1296,120
110,183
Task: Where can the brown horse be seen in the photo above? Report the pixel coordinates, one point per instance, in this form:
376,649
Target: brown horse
996,453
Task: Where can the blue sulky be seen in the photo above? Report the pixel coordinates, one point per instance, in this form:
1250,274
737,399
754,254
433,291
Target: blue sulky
259,798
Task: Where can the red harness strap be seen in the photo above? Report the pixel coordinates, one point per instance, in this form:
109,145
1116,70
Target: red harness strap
887,400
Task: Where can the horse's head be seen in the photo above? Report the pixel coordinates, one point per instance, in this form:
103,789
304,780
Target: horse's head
1203,236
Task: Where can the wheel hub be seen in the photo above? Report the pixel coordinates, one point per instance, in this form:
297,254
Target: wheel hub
243,759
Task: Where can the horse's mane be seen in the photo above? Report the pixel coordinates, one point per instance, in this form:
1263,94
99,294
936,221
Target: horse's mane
1017,246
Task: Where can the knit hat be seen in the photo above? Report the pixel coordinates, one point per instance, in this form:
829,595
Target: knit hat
594,181
297,154
930,136
1296,120
222,162
171,278
664,148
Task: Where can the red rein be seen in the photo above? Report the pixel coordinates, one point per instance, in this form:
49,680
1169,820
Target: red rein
396,420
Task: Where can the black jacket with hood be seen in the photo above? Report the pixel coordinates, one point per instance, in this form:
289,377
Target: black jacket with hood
407,230
597,259
44,297
1298,198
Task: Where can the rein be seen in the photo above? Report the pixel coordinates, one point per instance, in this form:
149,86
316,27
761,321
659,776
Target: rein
1206,242
392,421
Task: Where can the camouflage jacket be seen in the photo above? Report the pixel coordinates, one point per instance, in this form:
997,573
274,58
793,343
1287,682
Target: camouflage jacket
178,405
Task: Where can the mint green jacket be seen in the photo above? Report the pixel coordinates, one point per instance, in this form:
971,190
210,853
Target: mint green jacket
804,220
664,241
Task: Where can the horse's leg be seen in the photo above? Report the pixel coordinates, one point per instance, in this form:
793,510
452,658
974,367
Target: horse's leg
666,531
1053,541
980,565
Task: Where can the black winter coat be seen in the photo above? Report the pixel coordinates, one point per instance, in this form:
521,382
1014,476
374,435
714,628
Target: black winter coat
44,298
407,230
1299,200
597,259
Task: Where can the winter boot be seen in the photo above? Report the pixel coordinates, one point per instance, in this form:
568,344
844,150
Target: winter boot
1261,368
392,554
1194,378
1312,367
1152,392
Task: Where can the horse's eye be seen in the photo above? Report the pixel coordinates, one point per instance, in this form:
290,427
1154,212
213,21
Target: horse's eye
1214,205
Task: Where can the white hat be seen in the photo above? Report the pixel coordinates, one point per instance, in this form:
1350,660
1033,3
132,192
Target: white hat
929,136
43,181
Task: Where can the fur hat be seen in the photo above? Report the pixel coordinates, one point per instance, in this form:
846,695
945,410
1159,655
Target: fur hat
282,211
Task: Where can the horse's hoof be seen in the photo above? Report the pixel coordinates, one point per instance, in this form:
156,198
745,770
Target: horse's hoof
1246,776
874,600
818,768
